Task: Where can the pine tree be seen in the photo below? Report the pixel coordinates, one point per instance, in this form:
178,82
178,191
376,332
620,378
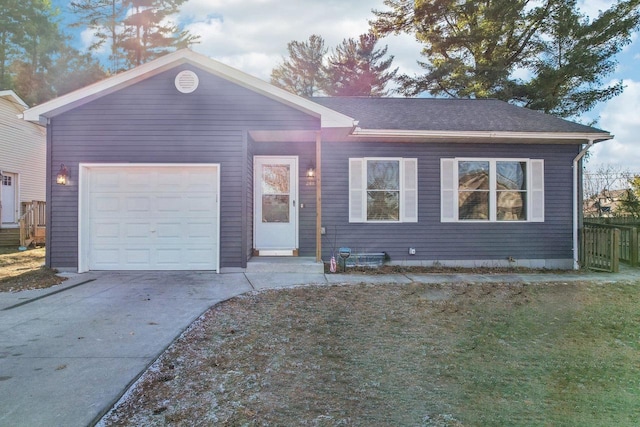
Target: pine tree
473,48
303,73
104,18
357,68
148,32
137,31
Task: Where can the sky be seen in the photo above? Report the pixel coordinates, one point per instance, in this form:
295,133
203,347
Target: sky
252,35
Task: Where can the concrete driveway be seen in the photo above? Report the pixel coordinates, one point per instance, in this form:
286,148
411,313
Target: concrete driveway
67,353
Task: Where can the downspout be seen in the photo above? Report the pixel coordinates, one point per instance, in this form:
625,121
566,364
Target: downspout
576,191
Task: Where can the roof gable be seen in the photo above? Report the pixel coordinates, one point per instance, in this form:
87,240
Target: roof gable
329,118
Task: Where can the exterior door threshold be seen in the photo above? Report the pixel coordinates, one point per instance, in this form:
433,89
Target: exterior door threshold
275,252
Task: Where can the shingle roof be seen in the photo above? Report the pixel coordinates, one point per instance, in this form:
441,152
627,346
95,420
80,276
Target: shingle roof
437,114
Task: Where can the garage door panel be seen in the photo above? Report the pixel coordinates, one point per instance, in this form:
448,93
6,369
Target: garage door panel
106,258
106,203
199,204
169,203
106,231
137,203
137,230
105,181
153,218
138,181
199,257
138,256
201,230
170,257
169,230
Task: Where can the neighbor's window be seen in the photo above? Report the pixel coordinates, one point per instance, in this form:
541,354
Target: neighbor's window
492,190
383,190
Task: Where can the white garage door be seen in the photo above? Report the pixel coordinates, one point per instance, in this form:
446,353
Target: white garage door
150,217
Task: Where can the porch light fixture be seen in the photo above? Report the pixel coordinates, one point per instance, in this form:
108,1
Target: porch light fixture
311,170
63,175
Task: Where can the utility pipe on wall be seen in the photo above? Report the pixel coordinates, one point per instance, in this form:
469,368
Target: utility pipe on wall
576,191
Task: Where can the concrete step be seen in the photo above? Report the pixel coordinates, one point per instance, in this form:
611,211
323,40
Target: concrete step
10,237
273,264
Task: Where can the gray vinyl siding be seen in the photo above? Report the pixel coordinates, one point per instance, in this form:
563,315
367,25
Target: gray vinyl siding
151,122
249,199
306,188
436,240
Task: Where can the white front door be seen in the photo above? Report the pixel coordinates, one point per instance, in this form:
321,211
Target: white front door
8,198
275,205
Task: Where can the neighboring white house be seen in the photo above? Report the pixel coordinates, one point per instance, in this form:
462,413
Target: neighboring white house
22,159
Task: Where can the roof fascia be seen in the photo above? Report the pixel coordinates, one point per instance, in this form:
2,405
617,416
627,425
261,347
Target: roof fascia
409,134
102,88
16,99
329,118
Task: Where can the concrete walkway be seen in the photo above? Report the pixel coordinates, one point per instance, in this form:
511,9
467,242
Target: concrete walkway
68,353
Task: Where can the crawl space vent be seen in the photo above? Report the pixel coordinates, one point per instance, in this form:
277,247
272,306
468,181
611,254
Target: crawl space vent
186,81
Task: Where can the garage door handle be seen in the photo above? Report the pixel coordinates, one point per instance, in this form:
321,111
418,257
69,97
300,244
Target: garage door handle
294,203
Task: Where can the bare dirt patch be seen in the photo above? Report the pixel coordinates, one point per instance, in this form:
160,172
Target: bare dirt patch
368,355
23,270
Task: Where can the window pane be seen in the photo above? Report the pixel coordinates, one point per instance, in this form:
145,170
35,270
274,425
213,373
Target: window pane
473,176
511,178
473,185
383,175
275,179
512,206
473,205
275,208
511,175
383,205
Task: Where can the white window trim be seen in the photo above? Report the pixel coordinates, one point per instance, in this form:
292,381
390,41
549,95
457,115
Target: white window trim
407,189
449,189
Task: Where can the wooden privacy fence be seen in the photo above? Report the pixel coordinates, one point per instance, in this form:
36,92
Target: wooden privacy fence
629,244
629,248
601,248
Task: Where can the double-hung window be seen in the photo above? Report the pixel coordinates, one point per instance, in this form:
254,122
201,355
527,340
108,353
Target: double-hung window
492,190
383,190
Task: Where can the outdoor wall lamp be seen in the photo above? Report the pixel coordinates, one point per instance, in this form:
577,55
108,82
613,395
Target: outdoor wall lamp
311,170
63,175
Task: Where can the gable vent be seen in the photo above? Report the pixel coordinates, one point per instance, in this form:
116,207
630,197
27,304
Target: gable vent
186,81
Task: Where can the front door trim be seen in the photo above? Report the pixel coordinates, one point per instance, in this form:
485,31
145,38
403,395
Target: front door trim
290,247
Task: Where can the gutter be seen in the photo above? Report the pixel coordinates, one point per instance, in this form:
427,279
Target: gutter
400,134
576,191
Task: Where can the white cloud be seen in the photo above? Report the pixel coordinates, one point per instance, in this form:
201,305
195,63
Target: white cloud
88,38
253,35
592,8
620,116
